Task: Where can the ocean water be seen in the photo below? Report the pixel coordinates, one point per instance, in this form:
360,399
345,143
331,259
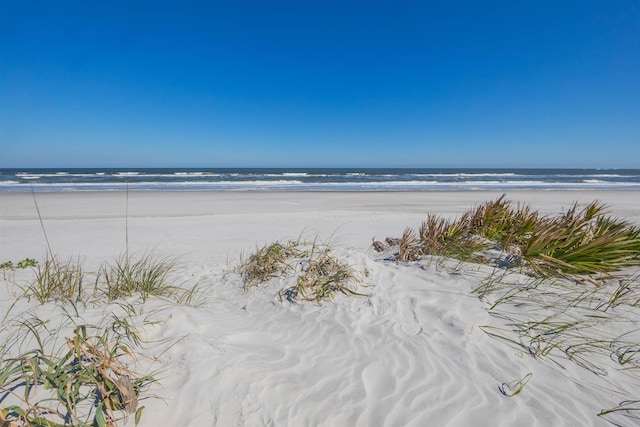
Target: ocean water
317,179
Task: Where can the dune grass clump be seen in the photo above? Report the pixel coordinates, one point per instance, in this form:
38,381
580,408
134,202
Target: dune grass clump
143,277
319,275
57,280
579,242
87,382
267,262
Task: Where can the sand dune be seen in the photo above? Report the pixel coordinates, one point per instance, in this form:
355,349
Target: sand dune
410,353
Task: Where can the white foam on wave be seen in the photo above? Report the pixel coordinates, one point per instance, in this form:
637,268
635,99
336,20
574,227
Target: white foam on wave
334,186
595,176
467,175
194,174
63,175
292,174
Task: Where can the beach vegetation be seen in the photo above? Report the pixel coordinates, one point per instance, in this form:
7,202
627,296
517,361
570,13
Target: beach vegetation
564,287
582,242
499,221
317,272
26,263
578,242
561,321
267,262
322,275
21,265
57,280
409,248
514,388
626,407
451,239
88,381
144,276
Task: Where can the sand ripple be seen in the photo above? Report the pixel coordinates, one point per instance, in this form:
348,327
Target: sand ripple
405,356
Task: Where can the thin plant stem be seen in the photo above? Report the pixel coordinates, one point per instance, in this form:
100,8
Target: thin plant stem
44,231
126,222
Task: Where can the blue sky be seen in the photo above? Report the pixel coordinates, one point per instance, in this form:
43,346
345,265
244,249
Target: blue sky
332,83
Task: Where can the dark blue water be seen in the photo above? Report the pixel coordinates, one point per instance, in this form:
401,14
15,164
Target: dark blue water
316,179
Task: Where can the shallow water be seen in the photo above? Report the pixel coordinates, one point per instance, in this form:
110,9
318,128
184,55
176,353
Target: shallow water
317,179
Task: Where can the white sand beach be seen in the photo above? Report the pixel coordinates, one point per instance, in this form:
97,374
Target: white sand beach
413,352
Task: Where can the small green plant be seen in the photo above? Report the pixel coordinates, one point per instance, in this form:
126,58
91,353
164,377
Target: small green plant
10,266
57,280
26,263
145,277
4,267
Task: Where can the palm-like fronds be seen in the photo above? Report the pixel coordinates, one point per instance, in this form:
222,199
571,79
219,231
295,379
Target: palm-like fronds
440,236
585,242
578,242
499,221
409,248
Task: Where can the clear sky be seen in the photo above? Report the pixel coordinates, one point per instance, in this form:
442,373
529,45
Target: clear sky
320,83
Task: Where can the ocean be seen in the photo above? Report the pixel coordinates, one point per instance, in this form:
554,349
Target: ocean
316,179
